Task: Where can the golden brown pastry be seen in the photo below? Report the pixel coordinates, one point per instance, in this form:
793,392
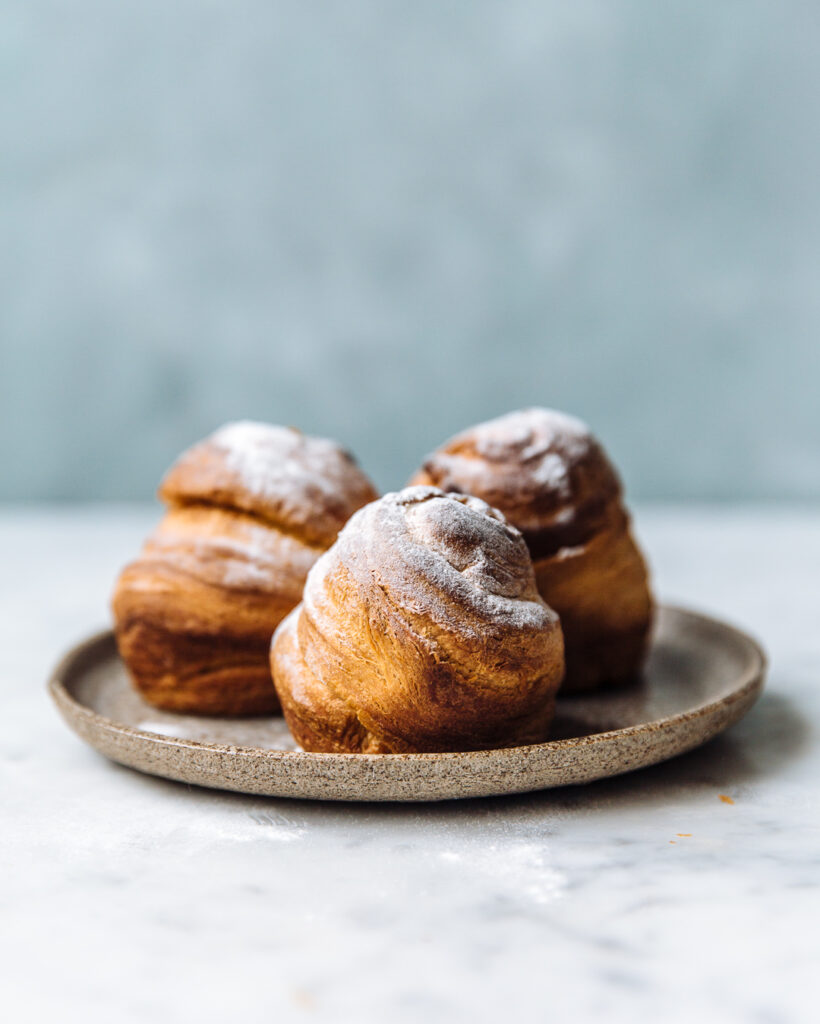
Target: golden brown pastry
421,629
551,479
250,509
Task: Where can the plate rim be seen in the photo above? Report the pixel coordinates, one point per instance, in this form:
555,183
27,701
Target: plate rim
749,686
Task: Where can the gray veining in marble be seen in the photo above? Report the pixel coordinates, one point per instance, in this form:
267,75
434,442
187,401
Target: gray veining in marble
648,897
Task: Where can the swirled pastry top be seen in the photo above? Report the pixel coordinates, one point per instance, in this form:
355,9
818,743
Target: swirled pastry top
425,620
542,468
303,485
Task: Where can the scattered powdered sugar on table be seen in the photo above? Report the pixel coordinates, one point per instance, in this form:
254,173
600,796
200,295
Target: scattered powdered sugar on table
519,869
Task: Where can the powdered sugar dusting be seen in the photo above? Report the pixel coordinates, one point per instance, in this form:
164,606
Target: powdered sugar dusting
550,471
542,440
435,550
523,456
520,868
424,619
271,460
242,555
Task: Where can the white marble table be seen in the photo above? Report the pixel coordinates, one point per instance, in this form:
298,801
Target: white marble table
644,898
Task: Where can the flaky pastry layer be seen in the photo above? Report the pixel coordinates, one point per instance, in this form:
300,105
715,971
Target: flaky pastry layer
553,480
250,511
421,629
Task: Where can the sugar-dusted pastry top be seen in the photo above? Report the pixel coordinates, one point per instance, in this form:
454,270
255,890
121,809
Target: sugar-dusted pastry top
544,469
420,629
250,509
449,560
304,485
550,477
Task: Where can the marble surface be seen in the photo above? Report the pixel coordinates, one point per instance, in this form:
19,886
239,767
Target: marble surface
688,891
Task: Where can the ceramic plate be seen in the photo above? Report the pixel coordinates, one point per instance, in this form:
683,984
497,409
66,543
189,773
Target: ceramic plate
701,676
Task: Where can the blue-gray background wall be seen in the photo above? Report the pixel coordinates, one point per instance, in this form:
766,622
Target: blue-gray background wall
384,221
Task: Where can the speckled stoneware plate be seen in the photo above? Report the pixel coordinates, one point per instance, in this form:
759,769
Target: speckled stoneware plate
701,676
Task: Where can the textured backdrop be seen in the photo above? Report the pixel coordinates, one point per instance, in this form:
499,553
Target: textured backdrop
383,221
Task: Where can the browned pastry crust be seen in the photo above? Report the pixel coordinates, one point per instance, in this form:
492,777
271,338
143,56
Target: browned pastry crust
421,629
250,509
552,480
